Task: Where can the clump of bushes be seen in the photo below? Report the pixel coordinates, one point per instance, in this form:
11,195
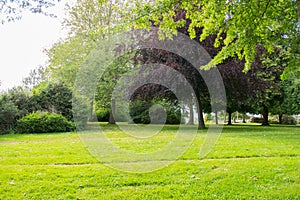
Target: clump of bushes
44,122
285,119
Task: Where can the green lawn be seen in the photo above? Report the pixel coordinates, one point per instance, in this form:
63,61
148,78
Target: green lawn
248,162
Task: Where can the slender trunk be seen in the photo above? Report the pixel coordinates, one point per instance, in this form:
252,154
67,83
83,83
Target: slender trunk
265,116
216,113
91,111
201,124
112,112
229,118
280,118
191,118
225,116
298,7
244,118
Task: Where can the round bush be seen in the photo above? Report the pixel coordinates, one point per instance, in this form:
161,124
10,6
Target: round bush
102,114
44,122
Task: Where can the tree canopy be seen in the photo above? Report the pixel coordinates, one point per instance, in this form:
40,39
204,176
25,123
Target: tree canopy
239,25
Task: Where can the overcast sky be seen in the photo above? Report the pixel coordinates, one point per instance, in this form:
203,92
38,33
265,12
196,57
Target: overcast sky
22,43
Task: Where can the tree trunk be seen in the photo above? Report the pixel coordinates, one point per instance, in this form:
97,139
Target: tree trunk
216,113
229,118
112,112
191,117
201,124
265,116
298,6
280,118
225,116
91,116
244,116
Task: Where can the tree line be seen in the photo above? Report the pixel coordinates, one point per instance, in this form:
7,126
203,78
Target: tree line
256,52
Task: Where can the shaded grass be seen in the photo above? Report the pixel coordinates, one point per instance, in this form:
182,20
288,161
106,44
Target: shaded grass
248,162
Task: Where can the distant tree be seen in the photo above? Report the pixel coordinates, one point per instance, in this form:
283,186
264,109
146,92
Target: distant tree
8,115
36,76
14,104
236,85
265,80
290,103
11,10
21,98
89,22
55,98
191,74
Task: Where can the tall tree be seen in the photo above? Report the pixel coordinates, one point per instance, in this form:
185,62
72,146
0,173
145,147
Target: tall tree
265,79
236,85
89,22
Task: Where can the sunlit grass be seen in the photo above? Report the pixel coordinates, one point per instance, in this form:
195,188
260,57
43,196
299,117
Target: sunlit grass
248,162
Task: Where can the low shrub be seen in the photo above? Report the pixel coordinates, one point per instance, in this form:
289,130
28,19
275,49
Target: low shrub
286,119
102,114
44,122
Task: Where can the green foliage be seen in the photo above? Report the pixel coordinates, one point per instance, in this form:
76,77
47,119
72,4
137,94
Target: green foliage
140,112
81,110
54,97
20,98
44,122
102,114
291,101
238,32
8,115
208,117
286,119
14,104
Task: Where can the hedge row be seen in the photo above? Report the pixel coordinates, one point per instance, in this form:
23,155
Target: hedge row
44,122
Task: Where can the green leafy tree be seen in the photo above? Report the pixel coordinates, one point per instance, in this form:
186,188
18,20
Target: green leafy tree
290,104
21,98
55,98
239,25
8,115
265,80
89,22
14,104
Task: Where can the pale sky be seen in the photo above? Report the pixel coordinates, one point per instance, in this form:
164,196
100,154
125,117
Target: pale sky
22,43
